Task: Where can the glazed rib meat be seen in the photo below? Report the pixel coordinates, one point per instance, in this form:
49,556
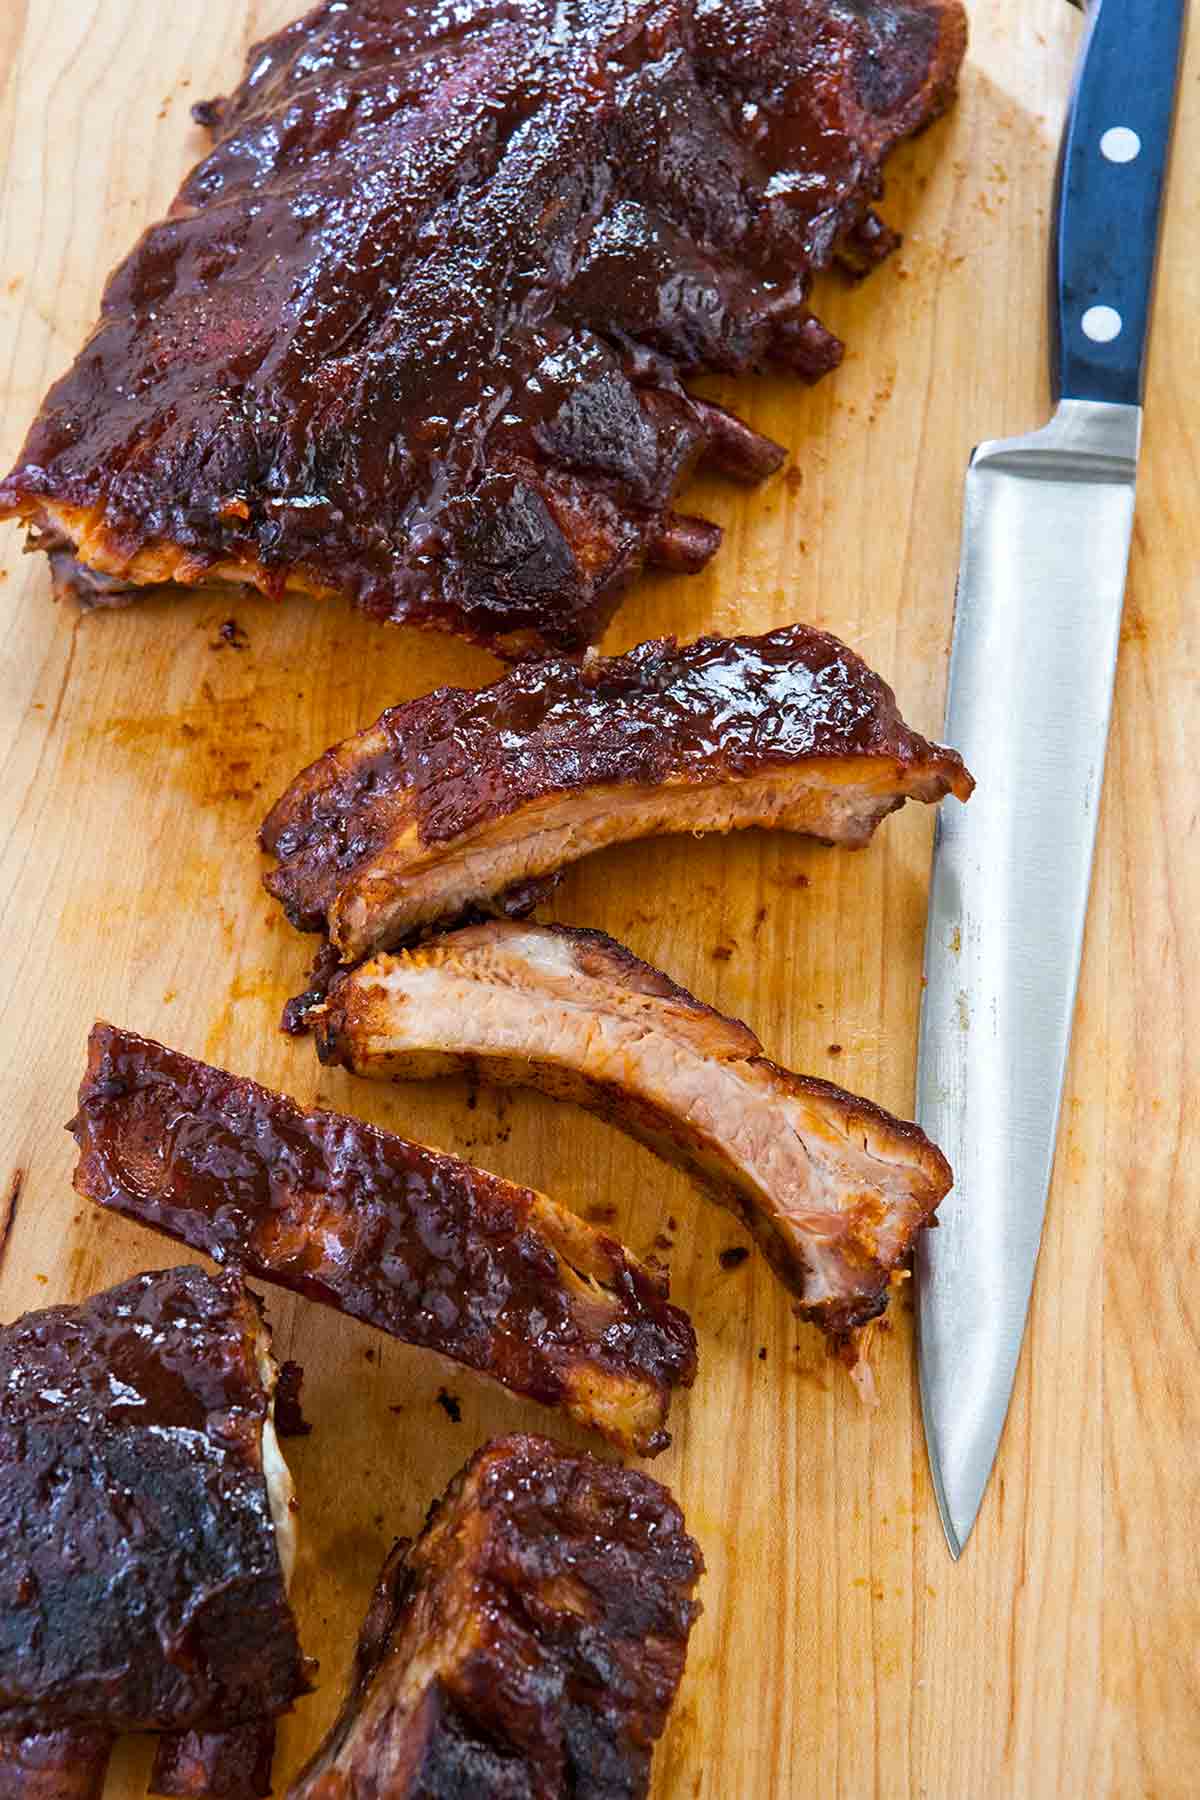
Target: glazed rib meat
527,1646
414,330
146,1536
438,1253
230,1765
449,801
833,1189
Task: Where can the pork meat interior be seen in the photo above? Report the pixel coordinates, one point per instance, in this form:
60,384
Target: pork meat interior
833,1188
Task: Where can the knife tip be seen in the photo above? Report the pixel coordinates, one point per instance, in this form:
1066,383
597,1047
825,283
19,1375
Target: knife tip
957,1530
957,1522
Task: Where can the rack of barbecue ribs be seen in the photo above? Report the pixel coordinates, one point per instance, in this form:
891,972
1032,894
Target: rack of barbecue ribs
414,330
456,800
833,1189
527,1646
415,1242
146,1541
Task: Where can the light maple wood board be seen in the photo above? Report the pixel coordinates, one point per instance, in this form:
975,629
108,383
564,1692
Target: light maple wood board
840,1652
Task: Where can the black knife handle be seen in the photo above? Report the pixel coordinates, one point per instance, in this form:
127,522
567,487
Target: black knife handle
1111,179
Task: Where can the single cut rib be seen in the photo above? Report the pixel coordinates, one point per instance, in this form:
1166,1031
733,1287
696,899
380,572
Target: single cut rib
414,330
527,1646
448,801
146,1532
438,1253
833,1189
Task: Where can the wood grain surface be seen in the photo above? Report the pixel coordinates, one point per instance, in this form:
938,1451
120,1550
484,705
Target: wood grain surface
840,1652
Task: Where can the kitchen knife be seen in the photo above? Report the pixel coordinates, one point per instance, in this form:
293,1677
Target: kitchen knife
1047,525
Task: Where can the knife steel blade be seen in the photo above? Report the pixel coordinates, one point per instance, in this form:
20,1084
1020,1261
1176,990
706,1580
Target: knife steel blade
1048,522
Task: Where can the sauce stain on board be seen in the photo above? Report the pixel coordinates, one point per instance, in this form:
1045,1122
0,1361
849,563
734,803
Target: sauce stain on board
261,986
219,748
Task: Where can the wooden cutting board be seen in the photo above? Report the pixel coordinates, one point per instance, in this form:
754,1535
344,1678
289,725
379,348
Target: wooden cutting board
840,1651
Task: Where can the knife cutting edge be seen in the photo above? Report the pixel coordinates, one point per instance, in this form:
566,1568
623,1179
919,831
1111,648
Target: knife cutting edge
1048,521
